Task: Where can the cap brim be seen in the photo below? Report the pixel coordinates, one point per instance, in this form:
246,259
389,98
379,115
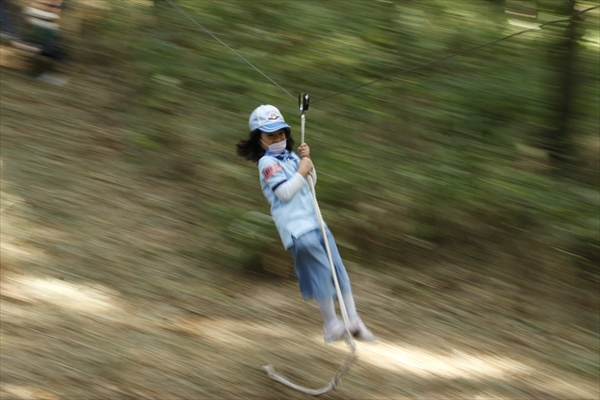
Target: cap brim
274,127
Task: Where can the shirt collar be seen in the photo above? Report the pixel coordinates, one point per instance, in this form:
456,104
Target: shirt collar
286,155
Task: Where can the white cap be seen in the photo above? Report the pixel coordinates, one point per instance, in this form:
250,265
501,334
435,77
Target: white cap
267,119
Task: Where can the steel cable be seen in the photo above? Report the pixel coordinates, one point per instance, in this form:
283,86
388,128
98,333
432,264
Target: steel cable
439,60
230,49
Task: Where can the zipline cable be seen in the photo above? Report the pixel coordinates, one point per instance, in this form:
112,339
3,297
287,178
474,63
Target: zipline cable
232,50
453,55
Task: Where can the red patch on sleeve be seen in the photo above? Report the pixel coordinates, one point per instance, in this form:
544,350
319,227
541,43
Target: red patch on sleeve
271,170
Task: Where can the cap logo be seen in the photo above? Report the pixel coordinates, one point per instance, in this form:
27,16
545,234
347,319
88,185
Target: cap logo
273,117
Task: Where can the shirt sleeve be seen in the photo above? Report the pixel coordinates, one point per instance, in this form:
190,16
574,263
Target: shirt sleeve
289,188
271,172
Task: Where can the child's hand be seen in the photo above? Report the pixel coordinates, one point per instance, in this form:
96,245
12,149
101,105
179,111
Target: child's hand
305,166
304,150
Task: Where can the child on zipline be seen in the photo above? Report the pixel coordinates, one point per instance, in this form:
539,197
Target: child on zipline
283,181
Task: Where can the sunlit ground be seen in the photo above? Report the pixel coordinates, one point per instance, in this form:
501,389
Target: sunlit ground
253,342
76,297
458,365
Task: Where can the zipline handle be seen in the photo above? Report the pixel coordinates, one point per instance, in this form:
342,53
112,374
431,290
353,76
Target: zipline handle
303,101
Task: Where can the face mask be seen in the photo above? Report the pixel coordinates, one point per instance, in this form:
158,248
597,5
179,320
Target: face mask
278,147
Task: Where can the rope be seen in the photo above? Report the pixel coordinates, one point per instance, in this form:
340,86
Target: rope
350,341
335,381
333,384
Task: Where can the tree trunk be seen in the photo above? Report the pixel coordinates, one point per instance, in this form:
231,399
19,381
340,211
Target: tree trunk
563,57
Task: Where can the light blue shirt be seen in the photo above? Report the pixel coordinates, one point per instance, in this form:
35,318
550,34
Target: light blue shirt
296,216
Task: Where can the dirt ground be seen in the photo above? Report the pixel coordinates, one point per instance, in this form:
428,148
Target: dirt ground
103,295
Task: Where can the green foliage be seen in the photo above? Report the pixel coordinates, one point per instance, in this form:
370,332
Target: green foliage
450,154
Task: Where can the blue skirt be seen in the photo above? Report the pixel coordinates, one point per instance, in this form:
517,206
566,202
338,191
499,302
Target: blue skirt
312,266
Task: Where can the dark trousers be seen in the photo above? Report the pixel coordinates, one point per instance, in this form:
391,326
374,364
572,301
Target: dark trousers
5,18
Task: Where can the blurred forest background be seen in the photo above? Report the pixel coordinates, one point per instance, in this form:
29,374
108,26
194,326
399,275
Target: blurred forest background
492,154
493,151
483,169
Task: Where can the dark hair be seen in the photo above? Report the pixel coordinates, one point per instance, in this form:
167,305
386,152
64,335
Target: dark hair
251,149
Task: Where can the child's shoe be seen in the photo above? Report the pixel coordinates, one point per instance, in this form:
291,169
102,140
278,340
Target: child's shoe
360,332
334,331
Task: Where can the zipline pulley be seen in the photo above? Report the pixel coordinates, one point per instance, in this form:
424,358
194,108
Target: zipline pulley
303,101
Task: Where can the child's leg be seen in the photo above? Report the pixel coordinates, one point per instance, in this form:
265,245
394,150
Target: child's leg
334,327
327,308
350,307
357,327
53,55
314,275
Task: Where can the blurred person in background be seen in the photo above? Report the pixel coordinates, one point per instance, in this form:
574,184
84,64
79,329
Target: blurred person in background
283,181
42,38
